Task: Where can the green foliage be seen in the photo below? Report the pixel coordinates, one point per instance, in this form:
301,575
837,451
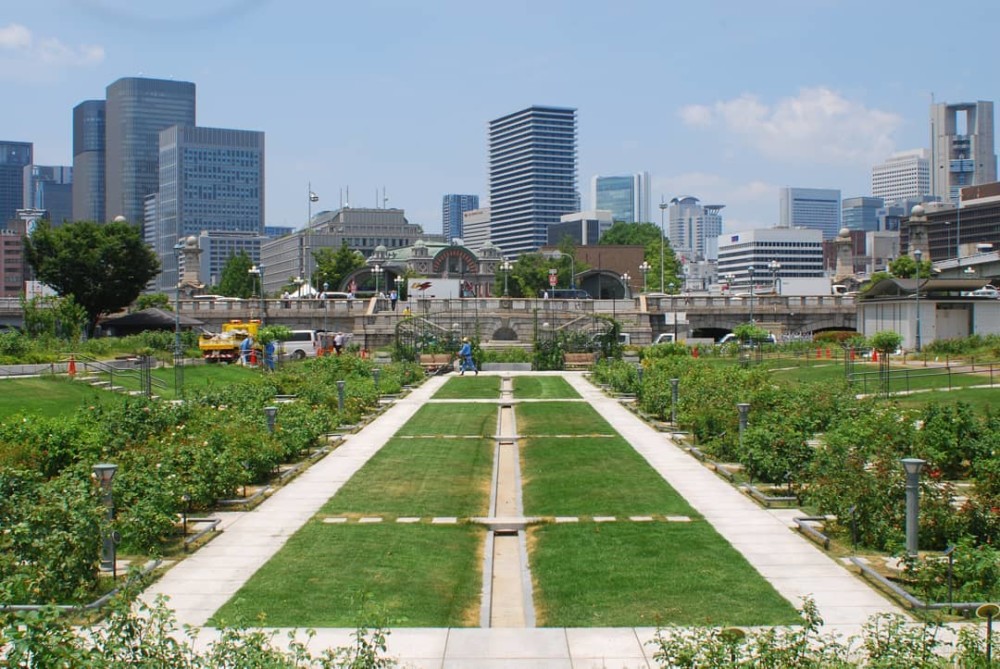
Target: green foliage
977,345
334,266
270,333
549,354
905,267
104,266
530,274
236,279
54,318
667,350
774,453
621,376
153,300
975,574
873,280
837,337
648,236
885,341
507,355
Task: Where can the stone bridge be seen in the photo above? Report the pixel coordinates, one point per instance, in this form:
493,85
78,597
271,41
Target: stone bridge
642,316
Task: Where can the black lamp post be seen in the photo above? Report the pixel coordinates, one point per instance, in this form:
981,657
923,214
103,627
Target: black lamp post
270,413
912,467
917,254
644,268
750,272
505,267
104,474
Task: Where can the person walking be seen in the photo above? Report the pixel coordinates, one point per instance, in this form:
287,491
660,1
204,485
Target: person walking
338,342
269,351
245,347
393,298
465,353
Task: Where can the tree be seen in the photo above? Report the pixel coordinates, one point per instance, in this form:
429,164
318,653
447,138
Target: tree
236,279
905,267
647,235
103,266
150,300
332,267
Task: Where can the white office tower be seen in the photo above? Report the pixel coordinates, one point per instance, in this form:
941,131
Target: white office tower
626,197
962,150
812,208
476,228
694,228
906,174
789,258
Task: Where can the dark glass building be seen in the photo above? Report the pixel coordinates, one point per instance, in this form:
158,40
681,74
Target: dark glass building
137,110
453,207
88,161
50,187
14,156
532,176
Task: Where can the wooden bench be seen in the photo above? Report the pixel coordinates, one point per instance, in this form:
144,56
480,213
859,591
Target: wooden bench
579,360
431,362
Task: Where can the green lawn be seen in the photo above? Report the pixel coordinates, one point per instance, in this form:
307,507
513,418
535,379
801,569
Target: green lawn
981,399
470,388
420,575
195,377
420,477
49,396
918,378
543,388
448,418
646,574
547,418
587,476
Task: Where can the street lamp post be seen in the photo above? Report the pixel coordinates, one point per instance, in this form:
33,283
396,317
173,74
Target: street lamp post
326,287
399,286
557,255
673,309
377,271
104,473
505,267
774,266
744,409
625,279
663,209
644,268
178,349
917,254
912,467
258,271
270,413
750,271
674,395
730,278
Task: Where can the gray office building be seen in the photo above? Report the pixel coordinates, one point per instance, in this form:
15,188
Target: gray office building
88,161
49,188
137,110
962,149
211,180
532,176
626,197
14,157
862,213
812,208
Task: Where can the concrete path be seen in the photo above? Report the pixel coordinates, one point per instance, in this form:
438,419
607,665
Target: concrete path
202,583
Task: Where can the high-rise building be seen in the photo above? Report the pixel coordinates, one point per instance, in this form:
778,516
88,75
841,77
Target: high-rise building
962,149
88,161
211,179
813,208
906,174
476,228
626,197
861,213
137,110
452,209
694,229
532,176
49,188
14,156
797,254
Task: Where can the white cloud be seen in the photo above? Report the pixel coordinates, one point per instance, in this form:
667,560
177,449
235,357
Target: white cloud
818,126
28,57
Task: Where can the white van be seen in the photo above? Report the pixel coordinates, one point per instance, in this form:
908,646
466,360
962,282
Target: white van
301,345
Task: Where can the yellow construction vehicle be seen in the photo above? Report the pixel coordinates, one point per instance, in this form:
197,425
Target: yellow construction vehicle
225,346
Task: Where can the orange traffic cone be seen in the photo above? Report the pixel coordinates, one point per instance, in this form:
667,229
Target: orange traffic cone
828,353
852,354
874,355
71,370
253,357
819,353
694,352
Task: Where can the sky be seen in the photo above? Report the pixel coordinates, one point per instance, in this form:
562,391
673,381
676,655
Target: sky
725,100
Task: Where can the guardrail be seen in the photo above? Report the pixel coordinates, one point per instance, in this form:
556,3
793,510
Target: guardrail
905,380
868,572
812,532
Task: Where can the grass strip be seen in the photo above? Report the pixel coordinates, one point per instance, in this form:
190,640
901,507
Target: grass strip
543,388
470,388
645,574
419,575
49,396
593,476
549,418
420,477
457,419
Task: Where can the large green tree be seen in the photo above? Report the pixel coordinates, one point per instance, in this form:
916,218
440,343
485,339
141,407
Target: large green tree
103,266
647,235
236,279
333,266
529,275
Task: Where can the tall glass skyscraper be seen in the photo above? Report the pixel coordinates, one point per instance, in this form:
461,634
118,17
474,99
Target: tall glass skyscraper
211,180
453,207
532,176
14,156
50,187
626,197
137,110
88,161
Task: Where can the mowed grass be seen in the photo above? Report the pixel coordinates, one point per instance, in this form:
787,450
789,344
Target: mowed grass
455,419
570,418
420,477
420,575
49,396
543,388
980,399
588,476
645,574
470,388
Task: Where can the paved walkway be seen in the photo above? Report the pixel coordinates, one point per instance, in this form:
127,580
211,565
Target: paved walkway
201,584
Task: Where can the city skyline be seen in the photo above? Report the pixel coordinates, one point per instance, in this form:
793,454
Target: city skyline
360,108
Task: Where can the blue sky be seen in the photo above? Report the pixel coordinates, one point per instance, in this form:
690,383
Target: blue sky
724,100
